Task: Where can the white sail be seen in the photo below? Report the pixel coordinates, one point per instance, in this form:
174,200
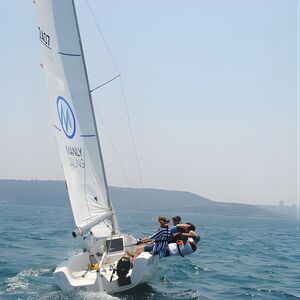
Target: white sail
73,116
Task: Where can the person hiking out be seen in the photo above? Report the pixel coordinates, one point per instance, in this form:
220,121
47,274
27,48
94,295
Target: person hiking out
183,242
157,242
176,221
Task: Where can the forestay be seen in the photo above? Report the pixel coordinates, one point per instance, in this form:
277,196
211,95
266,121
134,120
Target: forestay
73,116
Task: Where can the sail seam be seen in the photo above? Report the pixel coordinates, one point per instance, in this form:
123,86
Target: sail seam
87,135
68,54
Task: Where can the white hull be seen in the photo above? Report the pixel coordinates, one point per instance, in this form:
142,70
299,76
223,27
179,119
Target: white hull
73,273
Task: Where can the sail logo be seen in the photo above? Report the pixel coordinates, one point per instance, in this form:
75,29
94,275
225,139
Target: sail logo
66,117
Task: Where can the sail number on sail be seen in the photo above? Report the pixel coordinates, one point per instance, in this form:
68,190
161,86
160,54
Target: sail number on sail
44,37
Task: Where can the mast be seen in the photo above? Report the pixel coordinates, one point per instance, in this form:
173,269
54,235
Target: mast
113,219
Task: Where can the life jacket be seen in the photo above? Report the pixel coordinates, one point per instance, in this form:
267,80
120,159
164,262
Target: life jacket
176,237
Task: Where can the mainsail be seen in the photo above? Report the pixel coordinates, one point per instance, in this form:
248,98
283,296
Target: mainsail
73,116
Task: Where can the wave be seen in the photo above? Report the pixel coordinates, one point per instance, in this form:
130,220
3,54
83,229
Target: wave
94,296
270,294
185,294
24,285
21,280
235,267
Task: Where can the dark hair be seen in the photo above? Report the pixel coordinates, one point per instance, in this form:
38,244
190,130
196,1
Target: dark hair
191,227
194,247
177,218
162,218
196,238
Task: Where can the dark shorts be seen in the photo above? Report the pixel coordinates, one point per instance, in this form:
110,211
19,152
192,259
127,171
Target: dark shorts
149,248
168,252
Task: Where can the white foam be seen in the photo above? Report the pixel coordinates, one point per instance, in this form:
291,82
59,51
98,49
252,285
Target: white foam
20,282
33,273
95,295
17,283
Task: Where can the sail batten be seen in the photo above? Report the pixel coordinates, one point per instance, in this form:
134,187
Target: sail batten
73,114
68,54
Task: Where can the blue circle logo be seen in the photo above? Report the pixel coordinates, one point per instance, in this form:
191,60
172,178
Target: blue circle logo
66,117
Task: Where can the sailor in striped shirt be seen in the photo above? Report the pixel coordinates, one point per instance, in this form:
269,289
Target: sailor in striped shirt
159,240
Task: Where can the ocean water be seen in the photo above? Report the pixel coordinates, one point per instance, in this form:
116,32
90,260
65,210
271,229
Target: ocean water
238,258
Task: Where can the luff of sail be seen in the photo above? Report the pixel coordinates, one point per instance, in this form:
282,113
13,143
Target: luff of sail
73,117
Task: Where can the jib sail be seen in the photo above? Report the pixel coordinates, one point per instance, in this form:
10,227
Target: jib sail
73,116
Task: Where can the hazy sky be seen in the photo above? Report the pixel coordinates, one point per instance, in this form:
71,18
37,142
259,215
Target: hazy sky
211,87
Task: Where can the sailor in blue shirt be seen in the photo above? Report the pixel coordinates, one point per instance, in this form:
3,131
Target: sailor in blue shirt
176,221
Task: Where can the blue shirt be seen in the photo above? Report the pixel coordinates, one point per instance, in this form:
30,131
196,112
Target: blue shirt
174,229
160,238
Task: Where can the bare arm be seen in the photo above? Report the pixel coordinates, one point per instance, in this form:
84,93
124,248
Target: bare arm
189,234
145,240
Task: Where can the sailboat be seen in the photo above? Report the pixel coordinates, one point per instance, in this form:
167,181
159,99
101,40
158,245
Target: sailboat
101,266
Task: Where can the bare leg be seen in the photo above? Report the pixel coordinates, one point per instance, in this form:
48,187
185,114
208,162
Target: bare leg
129,254
138,251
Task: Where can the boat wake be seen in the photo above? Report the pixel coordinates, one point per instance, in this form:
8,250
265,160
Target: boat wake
147,291
94,295
23,285
23,279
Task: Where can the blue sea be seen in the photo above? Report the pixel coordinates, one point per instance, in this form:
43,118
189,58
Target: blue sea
238,258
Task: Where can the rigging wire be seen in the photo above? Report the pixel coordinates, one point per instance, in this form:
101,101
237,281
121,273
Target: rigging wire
123,93
103,84
102,36
131,133
114,148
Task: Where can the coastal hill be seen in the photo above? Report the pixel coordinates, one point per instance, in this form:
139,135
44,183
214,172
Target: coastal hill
54,193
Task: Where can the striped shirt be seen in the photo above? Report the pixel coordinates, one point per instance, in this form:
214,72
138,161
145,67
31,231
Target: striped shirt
160,238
